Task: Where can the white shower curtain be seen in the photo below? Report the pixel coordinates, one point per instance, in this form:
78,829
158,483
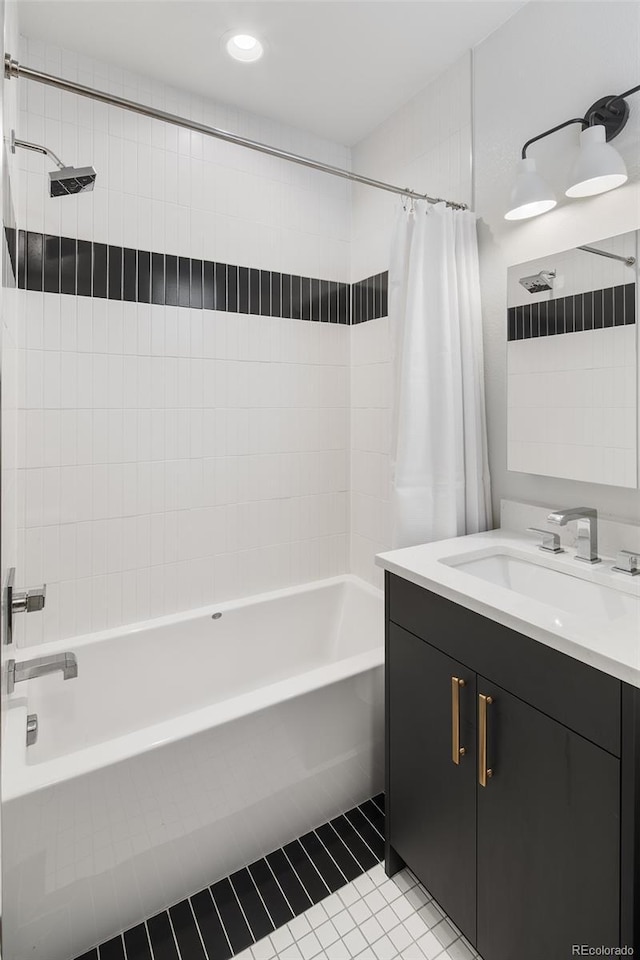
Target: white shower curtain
440,471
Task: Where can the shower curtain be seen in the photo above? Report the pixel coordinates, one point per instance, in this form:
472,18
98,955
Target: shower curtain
440,471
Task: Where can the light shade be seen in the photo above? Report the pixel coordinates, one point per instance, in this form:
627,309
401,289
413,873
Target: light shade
530,195
598,167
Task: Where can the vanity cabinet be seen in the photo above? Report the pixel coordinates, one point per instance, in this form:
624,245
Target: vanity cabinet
512,781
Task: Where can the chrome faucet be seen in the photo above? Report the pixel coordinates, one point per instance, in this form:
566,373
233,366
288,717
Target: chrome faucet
29,669
587,541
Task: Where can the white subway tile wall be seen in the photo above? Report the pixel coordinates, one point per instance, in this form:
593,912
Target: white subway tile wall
426,145
9,321
572,405
163,188
170,457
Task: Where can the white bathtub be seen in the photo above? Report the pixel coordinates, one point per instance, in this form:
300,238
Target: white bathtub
186,747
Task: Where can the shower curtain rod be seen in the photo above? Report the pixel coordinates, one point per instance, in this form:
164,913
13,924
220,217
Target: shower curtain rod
630,261
13,69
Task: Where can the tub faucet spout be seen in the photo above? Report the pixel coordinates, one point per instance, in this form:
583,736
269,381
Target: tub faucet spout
39,666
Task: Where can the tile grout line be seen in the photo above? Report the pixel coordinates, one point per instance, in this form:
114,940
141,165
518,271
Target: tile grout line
246,919
195,920
332,857
268,912
286,898
373,853
151,950
372,824
322,880
175,939
219,916
351,852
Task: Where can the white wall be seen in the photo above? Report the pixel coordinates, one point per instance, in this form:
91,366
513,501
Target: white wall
168,456
8,323
547,64
425,145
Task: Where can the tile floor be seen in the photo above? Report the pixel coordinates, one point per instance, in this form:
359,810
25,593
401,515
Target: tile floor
371,918
324,895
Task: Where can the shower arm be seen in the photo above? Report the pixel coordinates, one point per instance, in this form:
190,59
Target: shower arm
13,69
630,261
36,148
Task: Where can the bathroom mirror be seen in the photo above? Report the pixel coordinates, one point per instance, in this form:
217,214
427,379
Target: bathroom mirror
572,363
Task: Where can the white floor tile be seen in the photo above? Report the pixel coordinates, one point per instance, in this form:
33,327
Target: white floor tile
309,946
445,933
402,908
327,934
387,919
403,880
364,884
359,911
316,915
338,951
281,938
416,926
431,914
333,905
354,941
299,926
343,922
263,950
430,946
384,949
372,918
349,894
460,950
400,937
371,930
375,901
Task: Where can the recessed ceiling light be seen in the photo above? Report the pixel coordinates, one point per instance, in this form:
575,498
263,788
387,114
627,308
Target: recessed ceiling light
242,46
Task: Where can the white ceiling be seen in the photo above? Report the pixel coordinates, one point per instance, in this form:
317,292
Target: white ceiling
334,68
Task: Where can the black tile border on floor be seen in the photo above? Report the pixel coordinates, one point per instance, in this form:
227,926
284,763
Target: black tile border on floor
593,310
233,913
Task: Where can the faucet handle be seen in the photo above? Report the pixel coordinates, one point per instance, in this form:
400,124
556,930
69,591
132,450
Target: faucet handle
29,601
627,562
550,541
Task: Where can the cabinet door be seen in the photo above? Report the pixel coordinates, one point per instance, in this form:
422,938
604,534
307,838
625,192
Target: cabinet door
432,800
548,836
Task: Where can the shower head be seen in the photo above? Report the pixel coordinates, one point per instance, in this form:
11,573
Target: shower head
69,180
539,282
64,181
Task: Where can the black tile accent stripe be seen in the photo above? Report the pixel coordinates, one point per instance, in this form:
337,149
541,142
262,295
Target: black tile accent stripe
226,918
369,298
593,310
79,267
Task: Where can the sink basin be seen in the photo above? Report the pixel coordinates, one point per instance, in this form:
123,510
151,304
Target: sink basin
553,587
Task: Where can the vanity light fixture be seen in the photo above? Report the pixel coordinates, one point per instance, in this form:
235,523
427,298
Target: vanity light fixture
597,168
243,47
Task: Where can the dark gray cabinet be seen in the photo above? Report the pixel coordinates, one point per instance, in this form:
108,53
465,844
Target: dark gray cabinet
530,842
433,815
548,867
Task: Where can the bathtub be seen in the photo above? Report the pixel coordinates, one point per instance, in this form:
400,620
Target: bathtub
187,747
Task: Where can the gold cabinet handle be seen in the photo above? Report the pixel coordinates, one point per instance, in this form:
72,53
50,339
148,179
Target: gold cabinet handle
484,773
456,750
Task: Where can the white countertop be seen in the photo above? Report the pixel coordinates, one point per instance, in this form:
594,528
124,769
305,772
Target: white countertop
611,646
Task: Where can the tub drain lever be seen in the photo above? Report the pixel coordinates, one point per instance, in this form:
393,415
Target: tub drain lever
32,729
